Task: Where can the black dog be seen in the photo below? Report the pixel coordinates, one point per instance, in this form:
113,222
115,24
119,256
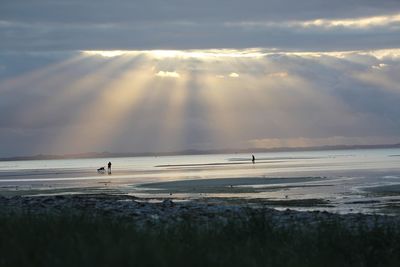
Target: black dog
101,170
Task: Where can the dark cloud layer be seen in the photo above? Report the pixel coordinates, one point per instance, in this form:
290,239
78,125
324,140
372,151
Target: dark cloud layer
107,25
153,11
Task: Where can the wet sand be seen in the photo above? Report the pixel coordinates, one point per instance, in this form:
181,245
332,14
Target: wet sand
228,185
300,193
384,190
335,181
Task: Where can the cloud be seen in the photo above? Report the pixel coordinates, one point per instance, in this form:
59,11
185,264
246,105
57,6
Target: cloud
122,25
379,66
106,53
185,12
168,74
204,54
392,21
388,21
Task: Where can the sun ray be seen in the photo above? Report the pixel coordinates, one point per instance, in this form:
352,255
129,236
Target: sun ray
173,117
102,117
225,97
180,102
39,76
379,78
68,94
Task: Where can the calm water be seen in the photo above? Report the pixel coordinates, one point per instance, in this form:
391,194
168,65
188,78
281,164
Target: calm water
354,180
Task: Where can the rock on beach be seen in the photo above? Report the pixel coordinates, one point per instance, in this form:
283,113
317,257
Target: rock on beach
141,211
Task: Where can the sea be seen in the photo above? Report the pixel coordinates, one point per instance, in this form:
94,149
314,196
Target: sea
343,181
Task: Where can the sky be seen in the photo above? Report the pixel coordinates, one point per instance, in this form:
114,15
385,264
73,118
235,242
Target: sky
157,76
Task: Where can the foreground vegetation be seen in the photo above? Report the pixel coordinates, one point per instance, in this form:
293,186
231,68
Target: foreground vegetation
78,240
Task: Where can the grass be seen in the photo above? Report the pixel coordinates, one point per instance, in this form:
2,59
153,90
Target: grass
80,240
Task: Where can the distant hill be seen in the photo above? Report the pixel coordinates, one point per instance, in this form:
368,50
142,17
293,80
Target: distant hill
195,152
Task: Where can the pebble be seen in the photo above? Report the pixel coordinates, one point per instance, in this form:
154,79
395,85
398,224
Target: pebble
169,211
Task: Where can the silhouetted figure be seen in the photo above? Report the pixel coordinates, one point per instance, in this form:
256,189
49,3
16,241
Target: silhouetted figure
253,159
109,167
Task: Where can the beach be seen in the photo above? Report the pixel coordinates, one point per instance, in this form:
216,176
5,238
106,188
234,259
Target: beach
204,210
342,181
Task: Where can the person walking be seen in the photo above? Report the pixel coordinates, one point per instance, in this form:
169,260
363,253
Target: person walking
253,159
109,167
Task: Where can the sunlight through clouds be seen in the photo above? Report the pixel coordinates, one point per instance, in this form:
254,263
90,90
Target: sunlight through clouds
101,118
78,76
207,54
110,53
135,101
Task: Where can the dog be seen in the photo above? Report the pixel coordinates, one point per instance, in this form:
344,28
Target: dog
101,170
